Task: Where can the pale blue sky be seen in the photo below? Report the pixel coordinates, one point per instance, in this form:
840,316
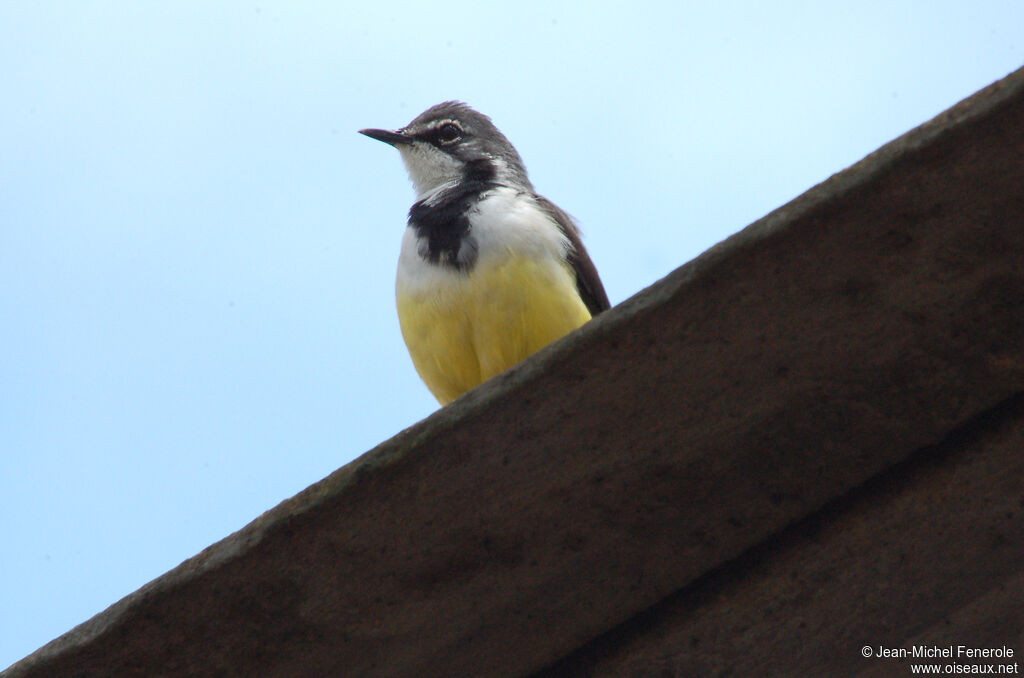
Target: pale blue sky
197,250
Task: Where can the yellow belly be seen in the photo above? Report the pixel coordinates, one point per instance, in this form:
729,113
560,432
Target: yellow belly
470,327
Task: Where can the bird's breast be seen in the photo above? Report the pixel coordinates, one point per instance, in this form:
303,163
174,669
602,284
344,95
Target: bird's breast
463,327
495,224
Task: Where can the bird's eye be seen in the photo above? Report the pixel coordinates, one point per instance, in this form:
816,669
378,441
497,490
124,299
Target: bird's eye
449,133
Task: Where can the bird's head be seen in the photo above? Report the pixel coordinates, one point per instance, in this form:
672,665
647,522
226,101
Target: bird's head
451,144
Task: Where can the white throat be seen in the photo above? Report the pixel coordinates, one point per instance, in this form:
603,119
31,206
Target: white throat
432,171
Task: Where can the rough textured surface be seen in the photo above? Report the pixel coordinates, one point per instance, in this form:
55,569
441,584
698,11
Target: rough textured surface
928,553
816,422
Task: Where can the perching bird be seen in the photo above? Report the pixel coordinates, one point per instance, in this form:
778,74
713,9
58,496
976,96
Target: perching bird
489,271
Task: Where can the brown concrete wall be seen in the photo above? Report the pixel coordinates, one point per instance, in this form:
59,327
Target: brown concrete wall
814,422
928,553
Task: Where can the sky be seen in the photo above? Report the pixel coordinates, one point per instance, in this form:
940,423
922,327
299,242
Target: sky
197,250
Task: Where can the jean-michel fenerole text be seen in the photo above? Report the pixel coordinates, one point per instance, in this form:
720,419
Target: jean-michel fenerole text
949,651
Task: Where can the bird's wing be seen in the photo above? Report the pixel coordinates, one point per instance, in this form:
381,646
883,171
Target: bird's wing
587,281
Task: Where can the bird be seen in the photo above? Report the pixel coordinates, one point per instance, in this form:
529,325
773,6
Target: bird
489,271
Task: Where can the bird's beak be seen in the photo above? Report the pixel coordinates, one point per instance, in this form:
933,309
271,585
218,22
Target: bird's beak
387,136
